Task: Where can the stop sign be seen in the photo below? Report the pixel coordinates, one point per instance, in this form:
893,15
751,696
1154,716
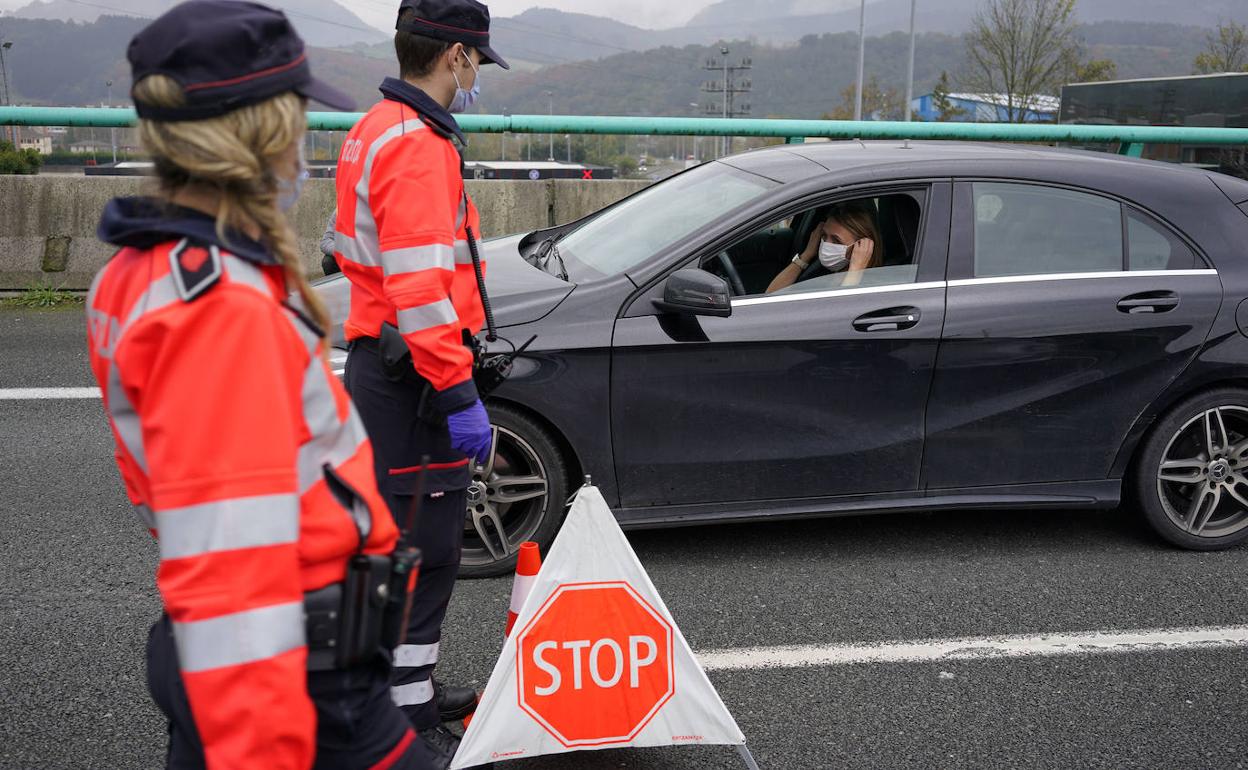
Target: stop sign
594,665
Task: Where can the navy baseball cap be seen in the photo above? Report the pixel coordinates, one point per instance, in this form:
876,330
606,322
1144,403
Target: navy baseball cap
226,55
455,21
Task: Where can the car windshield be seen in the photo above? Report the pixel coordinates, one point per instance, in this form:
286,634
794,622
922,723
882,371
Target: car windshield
654,219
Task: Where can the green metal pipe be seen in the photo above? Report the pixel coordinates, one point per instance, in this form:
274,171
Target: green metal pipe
832,129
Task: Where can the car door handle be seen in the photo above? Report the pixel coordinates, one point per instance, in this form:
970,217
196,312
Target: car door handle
893,319
1149,302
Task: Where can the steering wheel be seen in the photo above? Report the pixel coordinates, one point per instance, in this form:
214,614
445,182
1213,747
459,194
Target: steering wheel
734,278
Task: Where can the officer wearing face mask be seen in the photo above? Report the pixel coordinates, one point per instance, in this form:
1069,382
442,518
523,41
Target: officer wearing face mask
405,235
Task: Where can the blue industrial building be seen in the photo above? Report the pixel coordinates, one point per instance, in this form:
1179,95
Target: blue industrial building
987,108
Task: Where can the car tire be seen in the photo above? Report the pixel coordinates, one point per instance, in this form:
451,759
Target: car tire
523,450
1191,477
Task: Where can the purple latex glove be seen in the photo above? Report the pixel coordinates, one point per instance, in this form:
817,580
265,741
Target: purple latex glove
470,431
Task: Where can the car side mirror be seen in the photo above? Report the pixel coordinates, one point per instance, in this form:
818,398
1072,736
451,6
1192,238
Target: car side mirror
695,292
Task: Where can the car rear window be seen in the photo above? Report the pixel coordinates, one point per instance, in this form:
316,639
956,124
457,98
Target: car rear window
1023,229
1151,246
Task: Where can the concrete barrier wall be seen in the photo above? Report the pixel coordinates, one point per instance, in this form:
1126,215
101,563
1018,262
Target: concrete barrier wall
47,223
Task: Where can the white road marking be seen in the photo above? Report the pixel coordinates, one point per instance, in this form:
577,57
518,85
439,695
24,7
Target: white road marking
976,648
39,394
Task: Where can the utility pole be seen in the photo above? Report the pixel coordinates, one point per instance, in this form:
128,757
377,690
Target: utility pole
862,57
112,132
5,46
914,6
729,89
551,96
568,138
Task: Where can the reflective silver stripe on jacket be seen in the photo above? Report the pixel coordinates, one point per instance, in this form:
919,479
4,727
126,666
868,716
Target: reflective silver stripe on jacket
416,655
228,525
353,250
421,317
412,260
125,418
363,249
463,253
241,271
240,637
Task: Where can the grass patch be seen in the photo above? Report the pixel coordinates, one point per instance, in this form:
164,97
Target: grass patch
44,296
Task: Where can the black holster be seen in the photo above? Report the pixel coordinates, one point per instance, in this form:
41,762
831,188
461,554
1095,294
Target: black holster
344,620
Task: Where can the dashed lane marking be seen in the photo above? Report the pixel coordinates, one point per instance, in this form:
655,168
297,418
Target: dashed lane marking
46,394
977,648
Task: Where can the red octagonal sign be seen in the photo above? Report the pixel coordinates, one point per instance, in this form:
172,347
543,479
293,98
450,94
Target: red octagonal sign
595,664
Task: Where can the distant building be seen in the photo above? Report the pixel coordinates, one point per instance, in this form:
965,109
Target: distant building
534,170
1219,101
40,144
987,108
89,148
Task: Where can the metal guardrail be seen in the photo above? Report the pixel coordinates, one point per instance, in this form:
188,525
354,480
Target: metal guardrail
1130,137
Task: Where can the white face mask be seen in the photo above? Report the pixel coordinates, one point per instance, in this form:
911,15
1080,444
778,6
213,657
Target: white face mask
833,256
289,190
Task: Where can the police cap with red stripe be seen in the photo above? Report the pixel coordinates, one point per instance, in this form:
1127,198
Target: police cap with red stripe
454,21
226,55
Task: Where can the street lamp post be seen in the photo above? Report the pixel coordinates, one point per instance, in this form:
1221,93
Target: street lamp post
914,6
568,138
112,131
4,72
862,55
550,95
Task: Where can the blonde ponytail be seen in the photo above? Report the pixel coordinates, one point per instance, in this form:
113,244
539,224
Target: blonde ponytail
234,153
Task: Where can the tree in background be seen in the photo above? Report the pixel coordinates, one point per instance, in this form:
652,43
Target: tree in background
1021,49
1227,51
878,103
946,110
15,161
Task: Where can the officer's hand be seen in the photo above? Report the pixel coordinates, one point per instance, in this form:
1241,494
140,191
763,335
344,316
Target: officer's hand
470,432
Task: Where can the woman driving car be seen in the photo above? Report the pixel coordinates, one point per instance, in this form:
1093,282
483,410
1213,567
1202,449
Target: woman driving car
846,238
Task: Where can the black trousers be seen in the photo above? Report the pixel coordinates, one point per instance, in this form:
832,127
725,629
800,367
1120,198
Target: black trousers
403,430
357,725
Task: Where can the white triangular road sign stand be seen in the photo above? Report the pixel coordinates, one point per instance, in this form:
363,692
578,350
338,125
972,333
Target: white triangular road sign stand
591,549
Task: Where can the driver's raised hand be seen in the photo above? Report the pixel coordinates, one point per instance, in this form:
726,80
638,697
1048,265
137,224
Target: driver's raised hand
860,253
812,244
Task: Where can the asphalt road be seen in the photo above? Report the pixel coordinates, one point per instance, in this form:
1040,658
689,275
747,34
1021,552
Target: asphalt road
77,598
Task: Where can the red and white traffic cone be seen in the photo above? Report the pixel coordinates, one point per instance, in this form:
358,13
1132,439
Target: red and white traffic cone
527,566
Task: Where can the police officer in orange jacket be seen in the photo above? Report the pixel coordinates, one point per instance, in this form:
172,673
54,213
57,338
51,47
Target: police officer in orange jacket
238,448
404,229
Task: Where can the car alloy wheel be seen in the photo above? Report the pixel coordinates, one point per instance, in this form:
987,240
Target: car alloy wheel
1202,480
518,494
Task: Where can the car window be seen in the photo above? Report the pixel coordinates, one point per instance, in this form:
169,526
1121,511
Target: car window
645,224
1030,229
1152,246
762,262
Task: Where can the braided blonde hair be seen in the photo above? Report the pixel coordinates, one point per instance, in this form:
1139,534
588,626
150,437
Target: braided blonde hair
235,154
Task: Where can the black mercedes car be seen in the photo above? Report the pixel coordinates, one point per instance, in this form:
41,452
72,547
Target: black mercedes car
1039,328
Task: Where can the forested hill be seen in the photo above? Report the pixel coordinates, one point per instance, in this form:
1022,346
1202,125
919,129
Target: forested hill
804,80
63,63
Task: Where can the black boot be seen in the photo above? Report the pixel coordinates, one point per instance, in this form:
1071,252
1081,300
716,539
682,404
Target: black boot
454,703
440,745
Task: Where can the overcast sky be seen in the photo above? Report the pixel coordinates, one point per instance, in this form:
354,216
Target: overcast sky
652,14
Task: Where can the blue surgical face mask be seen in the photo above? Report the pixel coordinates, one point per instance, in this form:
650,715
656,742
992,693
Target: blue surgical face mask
289,190
464,100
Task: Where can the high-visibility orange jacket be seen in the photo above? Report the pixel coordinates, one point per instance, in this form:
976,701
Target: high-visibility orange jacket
402,237
227,423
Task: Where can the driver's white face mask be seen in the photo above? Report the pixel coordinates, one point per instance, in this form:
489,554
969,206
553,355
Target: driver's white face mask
833,256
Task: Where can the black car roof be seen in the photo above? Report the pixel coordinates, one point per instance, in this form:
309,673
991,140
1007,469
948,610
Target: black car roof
939,157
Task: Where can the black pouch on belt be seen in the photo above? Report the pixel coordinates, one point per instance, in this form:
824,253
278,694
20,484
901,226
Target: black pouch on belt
394,354
395,359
